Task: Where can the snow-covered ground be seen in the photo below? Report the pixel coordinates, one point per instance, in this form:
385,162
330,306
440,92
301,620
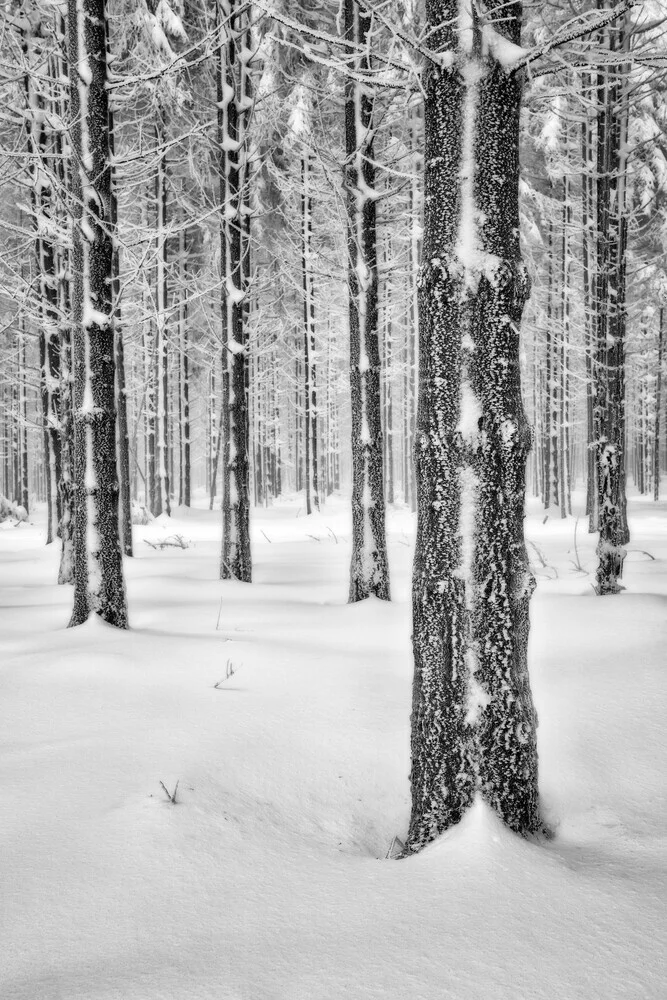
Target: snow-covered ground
267,880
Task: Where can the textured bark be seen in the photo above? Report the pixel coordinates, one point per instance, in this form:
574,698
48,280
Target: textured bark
184,406
42,165
587,248
369,569
24,484
658,406
99,586
121,391
387,387
611,315
309,363
162,503
233,85
66,482
473,720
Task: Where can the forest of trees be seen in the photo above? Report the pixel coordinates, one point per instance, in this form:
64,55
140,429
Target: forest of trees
360,246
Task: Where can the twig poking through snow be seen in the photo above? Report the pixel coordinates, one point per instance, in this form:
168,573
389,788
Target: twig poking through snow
576,562
543,563
172,798
229,672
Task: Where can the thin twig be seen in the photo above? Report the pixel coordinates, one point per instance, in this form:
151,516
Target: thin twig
172,798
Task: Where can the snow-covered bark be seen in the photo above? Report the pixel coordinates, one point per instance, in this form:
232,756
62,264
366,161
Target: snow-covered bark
234,104
309,357
300,126
658,405
473,720
99,584
369,570
587,253
611,313
41,162
184,382
66,418
162,503
123,436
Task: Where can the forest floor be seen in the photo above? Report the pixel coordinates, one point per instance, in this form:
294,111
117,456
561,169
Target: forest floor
268,878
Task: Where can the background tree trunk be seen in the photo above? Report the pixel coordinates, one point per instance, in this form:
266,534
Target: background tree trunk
369,569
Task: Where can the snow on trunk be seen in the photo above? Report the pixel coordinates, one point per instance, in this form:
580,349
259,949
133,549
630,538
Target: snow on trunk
99,584
609,367
234,103
473,721
162,486
369,570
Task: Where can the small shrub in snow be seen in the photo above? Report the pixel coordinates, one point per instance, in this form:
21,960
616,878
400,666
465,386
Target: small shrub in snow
9,509
141,513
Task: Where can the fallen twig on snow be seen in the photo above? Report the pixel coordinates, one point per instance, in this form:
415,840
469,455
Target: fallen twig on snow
171,542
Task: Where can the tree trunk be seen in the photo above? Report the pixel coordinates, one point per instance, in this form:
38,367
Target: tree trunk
162,488
473,720
587,250
99,584
233,85
609,407
658,405
369,569
121,391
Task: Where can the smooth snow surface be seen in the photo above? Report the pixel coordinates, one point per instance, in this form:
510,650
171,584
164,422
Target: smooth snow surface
267,879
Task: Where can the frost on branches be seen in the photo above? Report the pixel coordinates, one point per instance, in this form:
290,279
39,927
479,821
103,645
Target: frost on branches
473,720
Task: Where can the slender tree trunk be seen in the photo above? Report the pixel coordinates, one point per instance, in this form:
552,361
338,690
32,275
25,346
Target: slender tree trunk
121,391
369,570
609,409
473,720
233,83
658,406
307,370
162,486
387,368
186,470
588,248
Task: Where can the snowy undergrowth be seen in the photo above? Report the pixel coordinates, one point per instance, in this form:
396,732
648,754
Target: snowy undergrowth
267,879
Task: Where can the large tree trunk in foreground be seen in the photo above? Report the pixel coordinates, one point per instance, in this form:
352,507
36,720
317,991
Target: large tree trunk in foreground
99,586
473,720
369,570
